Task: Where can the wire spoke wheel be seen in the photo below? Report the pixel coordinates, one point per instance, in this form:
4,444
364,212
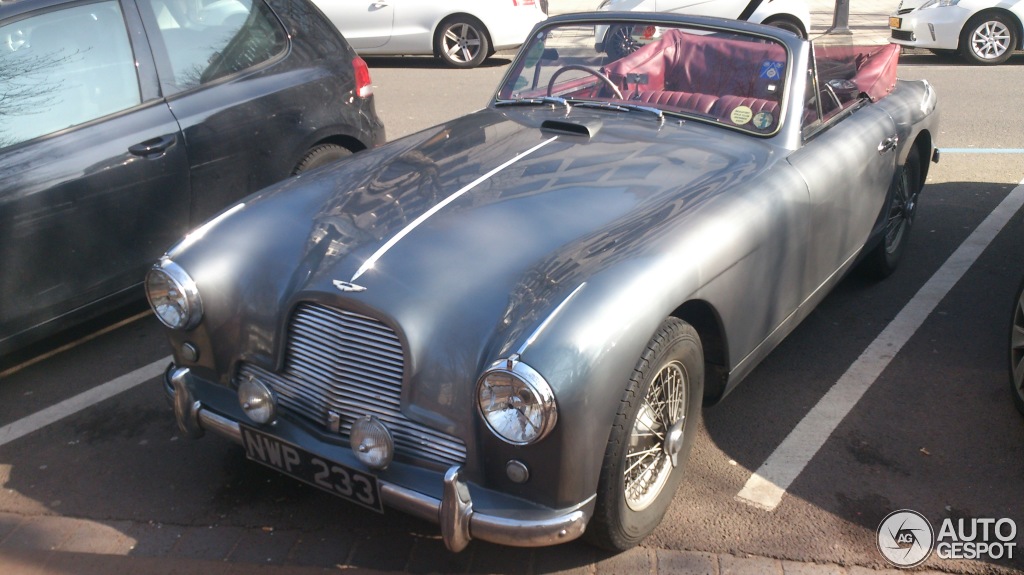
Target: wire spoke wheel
650,438
1017,349
648,464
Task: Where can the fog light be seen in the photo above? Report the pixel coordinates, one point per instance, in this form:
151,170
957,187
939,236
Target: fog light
517,471
372,443
257,400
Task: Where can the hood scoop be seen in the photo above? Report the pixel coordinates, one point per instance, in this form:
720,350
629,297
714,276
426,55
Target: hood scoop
586,129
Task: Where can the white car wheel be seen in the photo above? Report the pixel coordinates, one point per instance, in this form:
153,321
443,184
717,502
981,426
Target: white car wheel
988,39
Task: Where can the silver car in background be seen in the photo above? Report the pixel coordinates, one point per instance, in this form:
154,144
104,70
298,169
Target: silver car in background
980,31
462,33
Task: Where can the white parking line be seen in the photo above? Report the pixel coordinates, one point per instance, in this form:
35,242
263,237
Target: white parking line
768,484
41,419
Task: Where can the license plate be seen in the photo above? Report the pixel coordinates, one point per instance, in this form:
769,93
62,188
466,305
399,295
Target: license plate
895,22
349,484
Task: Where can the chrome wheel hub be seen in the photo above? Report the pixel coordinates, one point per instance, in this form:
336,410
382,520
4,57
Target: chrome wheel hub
656,438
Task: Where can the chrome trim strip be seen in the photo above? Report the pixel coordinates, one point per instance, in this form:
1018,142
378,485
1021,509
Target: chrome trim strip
536,333
459,522
369,263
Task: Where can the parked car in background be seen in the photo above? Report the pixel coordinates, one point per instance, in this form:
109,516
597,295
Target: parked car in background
508,323
791,15
463,33
111,146
980,31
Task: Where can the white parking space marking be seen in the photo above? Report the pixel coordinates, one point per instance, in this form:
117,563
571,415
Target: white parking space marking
769,483
70,406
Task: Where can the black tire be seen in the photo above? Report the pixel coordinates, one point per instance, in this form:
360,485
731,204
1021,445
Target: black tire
638,479
903,196
988,39
788,24
1017,349
462,42
618,43
320,155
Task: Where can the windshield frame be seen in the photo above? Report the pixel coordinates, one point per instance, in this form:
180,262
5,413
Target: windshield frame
530,58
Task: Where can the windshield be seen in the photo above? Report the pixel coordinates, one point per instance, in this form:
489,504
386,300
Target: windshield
715,75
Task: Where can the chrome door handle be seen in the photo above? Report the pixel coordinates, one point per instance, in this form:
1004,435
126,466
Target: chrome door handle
888,144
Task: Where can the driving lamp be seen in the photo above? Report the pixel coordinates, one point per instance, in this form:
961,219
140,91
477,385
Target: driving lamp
372,443
257,400
173,295
516,403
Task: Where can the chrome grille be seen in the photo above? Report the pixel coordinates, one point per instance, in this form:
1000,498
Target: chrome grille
352,365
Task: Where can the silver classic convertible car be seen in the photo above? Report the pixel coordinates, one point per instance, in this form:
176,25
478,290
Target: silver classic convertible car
508,324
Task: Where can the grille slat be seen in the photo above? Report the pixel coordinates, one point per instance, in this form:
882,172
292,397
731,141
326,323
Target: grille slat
352,365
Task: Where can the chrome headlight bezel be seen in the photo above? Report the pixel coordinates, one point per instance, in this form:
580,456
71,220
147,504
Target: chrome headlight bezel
170,289
512,393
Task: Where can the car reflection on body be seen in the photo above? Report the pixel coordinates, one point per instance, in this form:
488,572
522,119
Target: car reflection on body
507,324
462,33
981,31
123,124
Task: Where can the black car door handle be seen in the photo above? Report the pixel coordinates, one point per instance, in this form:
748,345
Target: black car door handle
154,147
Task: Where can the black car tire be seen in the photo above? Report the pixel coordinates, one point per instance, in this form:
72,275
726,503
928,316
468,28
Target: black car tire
618,43
667,383
903,196
788,24
996,32
468,36
320,155
1017,348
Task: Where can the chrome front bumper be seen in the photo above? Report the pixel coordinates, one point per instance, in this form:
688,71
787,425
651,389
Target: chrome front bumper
459,522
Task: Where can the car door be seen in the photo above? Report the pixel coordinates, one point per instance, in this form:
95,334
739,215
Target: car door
230,82
848,160
93,176
719,8
366,24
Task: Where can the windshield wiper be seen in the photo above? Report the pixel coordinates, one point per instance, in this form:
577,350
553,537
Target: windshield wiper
620,107
541,101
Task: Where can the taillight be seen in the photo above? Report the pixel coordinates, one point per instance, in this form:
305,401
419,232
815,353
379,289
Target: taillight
523,2
364,88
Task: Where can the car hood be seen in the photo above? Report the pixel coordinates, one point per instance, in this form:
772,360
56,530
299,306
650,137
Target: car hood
464,237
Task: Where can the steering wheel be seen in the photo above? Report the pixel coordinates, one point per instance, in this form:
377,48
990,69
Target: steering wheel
604,79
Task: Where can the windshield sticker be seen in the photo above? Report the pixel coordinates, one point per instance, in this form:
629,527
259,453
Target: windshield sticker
771,70
741,115
763,120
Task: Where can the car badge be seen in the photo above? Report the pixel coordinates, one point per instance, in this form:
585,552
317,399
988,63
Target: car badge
348,286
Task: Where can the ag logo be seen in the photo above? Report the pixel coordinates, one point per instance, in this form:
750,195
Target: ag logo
905,538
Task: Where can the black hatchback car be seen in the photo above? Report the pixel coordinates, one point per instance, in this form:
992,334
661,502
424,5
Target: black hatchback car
126,123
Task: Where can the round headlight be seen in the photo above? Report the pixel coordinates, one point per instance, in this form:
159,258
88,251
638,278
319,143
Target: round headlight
516,403
173,295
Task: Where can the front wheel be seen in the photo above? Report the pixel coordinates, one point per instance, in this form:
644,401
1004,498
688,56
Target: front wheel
1017,349
651,438
462,43
903,195
788,24
988,39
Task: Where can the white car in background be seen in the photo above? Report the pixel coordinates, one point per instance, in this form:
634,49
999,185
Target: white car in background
463,33
792,15
981,31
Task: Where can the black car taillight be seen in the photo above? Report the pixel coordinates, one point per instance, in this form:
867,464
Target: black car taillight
364,88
